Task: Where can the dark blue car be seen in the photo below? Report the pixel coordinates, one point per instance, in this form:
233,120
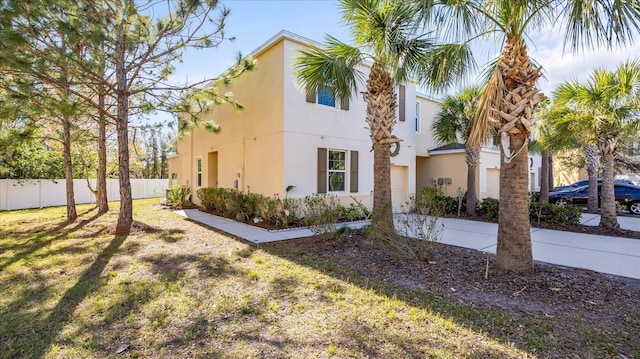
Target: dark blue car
586,182
626,194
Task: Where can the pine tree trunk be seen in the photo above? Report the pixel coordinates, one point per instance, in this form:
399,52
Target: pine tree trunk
608,210
101,181
125,217
72,214
472,158
592,162
544,178
514,238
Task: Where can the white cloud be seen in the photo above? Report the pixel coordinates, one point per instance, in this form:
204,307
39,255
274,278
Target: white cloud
559,67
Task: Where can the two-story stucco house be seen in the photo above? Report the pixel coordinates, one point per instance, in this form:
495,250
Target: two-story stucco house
316,143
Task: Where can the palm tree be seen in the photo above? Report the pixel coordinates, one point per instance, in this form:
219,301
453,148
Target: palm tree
453,124
385,35
566,135
607,108
511,97
543,145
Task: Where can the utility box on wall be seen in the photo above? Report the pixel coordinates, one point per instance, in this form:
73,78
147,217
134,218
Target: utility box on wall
447,180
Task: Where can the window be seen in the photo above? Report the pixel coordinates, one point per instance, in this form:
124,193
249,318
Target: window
336,170
401,103
417,117
174,179
198,172
332,171
325,97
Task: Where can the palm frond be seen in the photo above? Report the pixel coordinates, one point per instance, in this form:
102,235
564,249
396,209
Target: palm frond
600,23
334,66
490,100
446,64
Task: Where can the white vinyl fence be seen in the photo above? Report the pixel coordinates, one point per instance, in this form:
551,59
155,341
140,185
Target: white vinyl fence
20,194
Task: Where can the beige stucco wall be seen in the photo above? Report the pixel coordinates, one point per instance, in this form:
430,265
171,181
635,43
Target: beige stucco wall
563,174
429,109
250,145
450,165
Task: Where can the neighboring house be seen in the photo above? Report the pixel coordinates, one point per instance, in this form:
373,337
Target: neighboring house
287,136
444,166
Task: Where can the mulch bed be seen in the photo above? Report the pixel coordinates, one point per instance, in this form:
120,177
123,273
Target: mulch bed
568,299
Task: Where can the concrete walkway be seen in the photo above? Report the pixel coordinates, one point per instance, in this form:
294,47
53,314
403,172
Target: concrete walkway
611,255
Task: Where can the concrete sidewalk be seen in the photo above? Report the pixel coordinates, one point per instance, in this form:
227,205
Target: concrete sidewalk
611,255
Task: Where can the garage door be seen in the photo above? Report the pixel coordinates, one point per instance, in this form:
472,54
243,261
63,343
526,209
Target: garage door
399,186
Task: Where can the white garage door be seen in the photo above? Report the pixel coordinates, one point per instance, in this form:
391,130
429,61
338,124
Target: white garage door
399,186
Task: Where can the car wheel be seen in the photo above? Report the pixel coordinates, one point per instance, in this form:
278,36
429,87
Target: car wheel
562,201
634,207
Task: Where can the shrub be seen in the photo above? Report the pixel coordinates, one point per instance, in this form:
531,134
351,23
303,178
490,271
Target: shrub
179,196
321,213
432,196
489,209
355,212
552,213
417,227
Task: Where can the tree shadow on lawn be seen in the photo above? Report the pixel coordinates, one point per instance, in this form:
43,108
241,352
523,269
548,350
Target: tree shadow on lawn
38,241
460,315
47,329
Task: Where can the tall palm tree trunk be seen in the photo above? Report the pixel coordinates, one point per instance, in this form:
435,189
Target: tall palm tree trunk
381,116
592,162
608,210
382,220
544,178
472,158
514,239
508,104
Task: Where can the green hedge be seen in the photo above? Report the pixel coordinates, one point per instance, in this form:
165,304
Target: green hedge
312,210
489,208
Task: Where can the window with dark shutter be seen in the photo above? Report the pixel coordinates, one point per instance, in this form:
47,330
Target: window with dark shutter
344,104
322,170
401,103
311,95
353,178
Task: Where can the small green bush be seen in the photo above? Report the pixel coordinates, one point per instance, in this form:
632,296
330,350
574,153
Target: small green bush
179,196
321,213
489,209
552,213
355,212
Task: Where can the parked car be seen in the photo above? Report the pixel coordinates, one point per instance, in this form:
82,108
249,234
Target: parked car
586,183
626,194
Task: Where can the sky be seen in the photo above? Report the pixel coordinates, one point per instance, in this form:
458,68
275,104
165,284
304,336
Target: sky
253,22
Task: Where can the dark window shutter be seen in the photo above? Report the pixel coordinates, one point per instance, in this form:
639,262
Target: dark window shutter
322,170
353,178
344,104
401,103
311,95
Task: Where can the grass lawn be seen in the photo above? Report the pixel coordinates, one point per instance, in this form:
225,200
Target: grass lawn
186,291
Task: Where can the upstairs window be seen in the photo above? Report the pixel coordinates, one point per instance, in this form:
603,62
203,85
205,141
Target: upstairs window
325,97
